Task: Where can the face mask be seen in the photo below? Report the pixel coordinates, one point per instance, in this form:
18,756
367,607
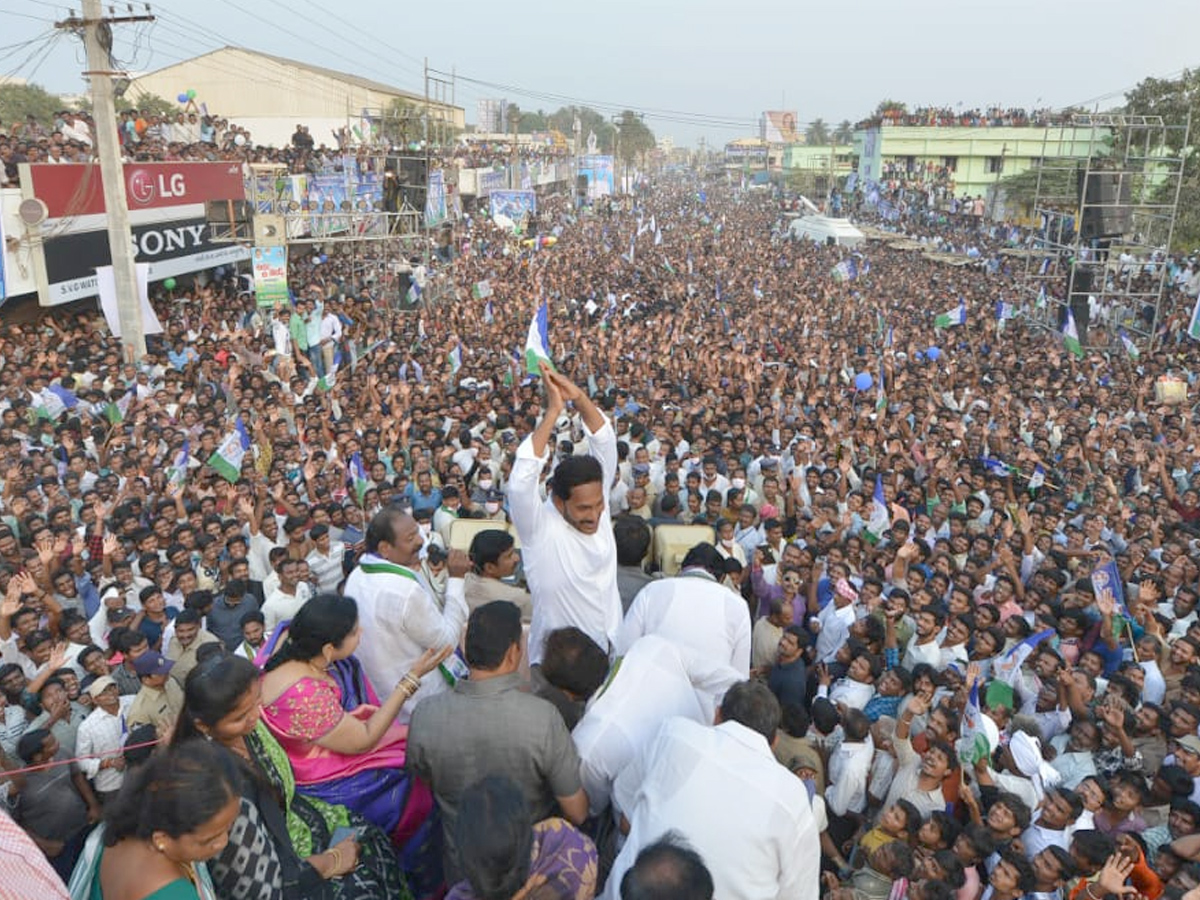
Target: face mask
492,508
485,483
738,483
727,543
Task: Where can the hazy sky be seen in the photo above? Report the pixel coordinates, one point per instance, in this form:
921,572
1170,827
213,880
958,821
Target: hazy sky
696,67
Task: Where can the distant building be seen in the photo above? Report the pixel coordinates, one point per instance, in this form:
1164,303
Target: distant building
971,159
491,116
666,144
270,95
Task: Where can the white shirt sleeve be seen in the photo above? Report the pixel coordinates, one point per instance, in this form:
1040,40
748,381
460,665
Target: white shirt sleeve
432,628
524,500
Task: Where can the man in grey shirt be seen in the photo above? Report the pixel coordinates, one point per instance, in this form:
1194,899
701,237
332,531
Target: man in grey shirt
488,726
632,535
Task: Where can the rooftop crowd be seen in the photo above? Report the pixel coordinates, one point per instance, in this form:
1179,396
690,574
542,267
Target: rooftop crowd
191,134
337,599
946,117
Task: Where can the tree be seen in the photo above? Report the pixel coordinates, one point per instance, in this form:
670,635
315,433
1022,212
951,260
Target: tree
1174,99
636,137
532,121
401,123
153,104
817,133
844,133
891,106
20,100
514,118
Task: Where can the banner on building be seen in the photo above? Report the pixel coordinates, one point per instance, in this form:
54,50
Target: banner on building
435,200
779,127
270,275
516,205
598,170
171,248
73,190
495,180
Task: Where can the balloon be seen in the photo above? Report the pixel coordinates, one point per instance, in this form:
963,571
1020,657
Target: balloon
182,98
191,94
933,353
169,284
863,381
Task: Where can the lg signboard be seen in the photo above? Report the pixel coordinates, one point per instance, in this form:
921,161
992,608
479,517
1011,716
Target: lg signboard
166,208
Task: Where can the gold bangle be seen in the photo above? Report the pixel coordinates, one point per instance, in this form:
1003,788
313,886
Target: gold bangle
412,681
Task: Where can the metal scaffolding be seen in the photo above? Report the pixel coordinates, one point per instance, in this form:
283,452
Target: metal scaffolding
1105,205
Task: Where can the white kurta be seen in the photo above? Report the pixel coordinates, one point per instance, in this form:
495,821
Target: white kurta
653,681
747,816
400,620
572,576
691,610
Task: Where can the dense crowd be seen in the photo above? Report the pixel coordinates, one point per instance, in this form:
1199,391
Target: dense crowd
345,599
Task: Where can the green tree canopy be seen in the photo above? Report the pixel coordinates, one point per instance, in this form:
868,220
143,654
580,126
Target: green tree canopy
817,133
636,137
20,100
844,134
1174,99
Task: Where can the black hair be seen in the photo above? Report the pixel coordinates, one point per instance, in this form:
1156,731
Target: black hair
323,619
912,818
1026,880
956,875
189,615
253,616
667,869
126,640
951,757
825,715
487,546
212,690
632,535
30,744
494,834
574,471
946,826
491,630
573,662
981,839
1066,861
706,557
1092,846
176,791
855,725
382,528
751,703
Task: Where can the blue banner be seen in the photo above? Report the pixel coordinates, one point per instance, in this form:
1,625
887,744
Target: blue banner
598,170
435,200
516,205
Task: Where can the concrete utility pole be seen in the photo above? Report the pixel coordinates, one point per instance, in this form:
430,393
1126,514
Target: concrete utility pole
97,39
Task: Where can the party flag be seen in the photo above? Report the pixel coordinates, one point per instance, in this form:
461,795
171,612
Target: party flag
1071,336
1008,666
116,412
178,469
537,342
358,476
1130,346
489,314
455,357
880,519
952,317
227,460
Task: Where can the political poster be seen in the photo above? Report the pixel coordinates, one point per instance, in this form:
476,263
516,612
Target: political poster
779,127
516,205
270,275
598,170
435,200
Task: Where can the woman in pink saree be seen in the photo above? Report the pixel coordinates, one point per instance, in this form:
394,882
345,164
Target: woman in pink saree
344,745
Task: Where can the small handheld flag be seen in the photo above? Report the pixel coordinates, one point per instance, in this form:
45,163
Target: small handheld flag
537,342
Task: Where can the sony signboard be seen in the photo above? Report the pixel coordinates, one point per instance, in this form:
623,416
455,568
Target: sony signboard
166,210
